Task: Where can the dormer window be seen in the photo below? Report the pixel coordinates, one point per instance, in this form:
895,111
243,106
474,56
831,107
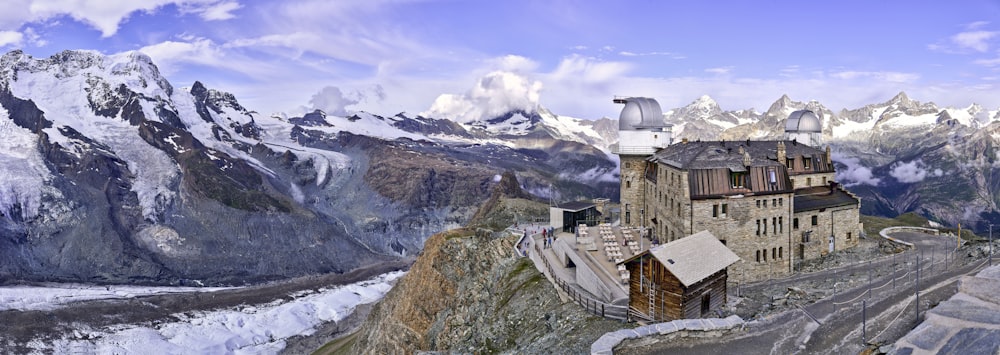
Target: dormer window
807,162
738,180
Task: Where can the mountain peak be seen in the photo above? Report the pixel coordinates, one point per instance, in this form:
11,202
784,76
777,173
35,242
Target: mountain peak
901,98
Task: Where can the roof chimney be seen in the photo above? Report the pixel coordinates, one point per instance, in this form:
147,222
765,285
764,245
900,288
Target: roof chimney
781,154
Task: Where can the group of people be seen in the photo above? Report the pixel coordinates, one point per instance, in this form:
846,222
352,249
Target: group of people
549,236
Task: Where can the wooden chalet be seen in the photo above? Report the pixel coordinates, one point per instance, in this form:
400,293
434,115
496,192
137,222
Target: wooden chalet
685,278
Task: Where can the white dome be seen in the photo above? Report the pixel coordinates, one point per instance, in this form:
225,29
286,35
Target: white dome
803,121
640,113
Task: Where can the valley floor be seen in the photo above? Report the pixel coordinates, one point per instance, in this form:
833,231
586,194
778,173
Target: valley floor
298,304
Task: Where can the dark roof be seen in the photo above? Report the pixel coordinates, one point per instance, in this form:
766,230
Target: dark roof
815,198
726,154
576,206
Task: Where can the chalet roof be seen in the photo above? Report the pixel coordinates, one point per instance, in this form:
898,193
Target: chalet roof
693,258
576,206
819,197
726,154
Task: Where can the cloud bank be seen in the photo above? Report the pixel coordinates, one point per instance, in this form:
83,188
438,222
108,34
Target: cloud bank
855,173
495,94
912,172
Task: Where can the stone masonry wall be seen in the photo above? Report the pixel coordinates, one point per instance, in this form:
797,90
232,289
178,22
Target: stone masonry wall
755,228
633,183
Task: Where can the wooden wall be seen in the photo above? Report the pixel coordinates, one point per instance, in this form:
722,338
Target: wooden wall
671,300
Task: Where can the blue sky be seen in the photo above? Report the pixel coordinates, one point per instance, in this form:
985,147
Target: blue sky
388,56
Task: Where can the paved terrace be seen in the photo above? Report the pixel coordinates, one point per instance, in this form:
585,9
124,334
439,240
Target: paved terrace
586,266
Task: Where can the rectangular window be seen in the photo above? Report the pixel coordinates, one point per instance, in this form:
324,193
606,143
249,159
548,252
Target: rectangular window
765,255
809,181
738,180
790,163
781,225
758,227
824,181
807,163
772,176
758,256
780,256
774,202
765,203
795,223
715,211
758,203
781,201
725,209
774,224
765,226
815,221
848,235
774,253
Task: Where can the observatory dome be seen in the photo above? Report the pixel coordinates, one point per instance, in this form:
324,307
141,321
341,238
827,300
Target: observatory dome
640,113
803,121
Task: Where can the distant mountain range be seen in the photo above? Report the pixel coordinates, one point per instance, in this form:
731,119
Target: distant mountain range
109,173
900,156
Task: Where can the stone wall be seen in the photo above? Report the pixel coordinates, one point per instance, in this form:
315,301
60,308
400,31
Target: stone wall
671,205
800,181
755,228
633,183
813,241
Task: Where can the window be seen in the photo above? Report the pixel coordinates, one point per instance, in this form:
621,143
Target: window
765,226
765,203
809,181
758,227
737,180
772,176
780,256
795,223
807,163
815,220
790,163
793,182
678,209
715,211
774,224
774,202
774,253
725,209
628,217
628,184
765,255
781,201
824,180
758,203
781,225
628,165
848,235
758,256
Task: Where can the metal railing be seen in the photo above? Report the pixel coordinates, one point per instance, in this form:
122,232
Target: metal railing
592,305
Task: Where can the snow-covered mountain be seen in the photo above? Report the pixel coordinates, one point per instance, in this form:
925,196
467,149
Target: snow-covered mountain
901,155
110,173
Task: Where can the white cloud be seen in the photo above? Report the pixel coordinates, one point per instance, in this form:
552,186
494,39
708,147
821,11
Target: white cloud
169,55
975,40
856,173
890,76
222,10
719,70
989,62
497,93
589,70
332,101
515,63
10,38
909,173
103,15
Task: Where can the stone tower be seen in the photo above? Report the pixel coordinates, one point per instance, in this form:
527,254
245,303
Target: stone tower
641,132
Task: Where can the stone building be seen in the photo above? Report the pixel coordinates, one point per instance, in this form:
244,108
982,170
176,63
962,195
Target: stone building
772,202
641,132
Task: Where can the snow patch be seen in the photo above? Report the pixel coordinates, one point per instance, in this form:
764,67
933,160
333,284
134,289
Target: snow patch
23,173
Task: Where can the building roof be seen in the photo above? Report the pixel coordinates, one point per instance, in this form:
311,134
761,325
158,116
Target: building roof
803,121
726,154
640,113
819,197
693,258
576,206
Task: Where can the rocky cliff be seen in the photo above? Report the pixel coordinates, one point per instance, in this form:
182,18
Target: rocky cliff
468,292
